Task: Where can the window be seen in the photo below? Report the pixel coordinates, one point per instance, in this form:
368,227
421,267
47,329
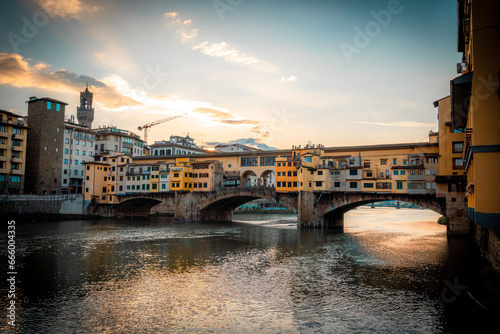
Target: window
369,174
76,152
416,185
383,162
15,178
76,162
395,172
394,161
250,161
368,185
267,161
278,184
58,107
366,164
458,147
319,183
399,184
384,185
307,159
403,172
49,105
353,172
320,172
353,185
65,161
16,131
458,163
336,184
66,141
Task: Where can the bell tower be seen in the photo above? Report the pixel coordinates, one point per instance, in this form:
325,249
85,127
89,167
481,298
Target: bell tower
85,112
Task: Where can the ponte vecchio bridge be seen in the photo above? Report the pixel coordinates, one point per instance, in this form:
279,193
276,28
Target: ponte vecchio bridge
315,207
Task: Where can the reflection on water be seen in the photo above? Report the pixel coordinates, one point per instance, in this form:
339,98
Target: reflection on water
259,274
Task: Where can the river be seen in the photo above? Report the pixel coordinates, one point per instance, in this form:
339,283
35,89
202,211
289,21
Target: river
391,271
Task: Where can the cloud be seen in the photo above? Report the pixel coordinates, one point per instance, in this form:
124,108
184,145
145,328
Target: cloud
291,78
218,50
66,8
17,72
224,117
252,142
232,54
405,124
182,30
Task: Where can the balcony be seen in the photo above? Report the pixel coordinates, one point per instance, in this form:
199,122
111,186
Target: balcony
416,177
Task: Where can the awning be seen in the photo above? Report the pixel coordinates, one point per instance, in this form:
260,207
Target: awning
460,90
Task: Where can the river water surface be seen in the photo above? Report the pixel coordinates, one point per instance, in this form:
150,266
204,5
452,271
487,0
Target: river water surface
391,271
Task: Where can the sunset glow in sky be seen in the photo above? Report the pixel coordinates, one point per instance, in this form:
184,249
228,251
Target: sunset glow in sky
268,73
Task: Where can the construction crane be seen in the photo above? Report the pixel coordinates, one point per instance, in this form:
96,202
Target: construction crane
147,126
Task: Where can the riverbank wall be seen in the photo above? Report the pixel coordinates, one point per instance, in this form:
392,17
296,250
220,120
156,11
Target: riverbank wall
71,204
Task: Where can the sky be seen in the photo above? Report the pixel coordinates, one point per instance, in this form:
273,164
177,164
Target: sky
268,73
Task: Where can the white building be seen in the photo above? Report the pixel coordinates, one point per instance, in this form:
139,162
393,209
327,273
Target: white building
78,148
177,145
112,140
234,148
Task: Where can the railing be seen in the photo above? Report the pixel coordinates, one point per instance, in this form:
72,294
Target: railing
467,145
6,198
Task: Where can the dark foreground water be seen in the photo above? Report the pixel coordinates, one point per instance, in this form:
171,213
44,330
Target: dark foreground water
392,271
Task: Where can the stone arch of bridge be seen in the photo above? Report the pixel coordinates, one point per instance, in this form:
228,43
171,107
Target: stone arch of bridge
229,202
332,212
267,178
135,204
248,178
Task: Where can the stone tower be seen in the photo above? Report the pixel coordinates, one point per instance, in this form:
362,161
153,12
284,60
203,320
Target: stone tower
45,144
85,112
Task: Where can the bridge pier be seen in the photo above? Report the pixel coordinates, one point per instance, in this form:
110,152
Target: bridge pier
310,214
216,215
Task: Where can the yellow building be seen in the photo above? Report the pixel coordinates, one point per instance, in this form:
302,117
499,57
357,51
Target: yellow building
181,176
207,175
475,105
398,168
104,178
287,172
13,134
450,179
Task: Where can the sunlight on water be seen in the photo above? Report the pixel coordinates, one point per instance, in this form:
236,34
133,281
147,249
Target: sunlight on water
259,274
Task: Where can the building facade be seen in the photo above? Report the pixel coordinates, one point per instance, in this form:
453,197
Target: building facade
45,148
475,105
13,142
177,145
78,149
111,140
